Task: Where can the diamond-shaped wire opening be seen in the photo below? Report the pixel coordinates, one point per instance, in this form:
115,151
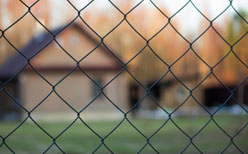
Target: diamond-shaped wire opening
165,45
144,71
187,69
212,93
183,26
106,21
186,117
208,44
239,122
124,42
169,131
44,65
77,40
78,138
81,90
154,20
15,37
108,60
120,136
211,134
233,75
234,28
53,104
13,14
111,110
185,113
32,82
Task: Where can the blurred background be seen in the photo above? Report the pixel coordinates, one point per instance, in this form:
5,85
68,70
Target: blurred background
188,44
146,59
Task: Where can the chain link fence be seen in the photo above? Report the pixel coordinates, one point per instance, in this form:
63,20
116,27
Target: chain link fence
52,35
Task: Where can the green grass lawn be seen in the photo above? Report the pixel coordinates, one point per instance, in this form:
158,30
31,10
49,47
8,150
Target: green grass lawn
125,139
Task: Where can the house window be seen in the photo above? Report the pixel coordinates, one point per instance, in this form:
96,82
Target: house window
95,90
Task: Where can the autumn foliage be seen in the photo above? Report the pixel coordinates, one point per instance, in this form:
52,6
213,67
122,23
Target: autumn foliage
145,40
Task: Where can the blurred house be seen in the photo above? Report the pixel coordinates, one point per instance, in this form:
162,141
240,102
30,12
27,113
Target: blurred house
49,67
53,66
192,72
228,73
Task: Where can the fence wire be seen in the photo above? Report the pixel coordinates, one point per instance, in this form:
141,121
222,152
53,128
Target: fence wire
28,113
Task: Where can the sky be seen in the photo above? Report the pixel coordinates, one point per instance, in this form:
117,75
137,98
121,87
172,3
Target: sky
215,7
188,17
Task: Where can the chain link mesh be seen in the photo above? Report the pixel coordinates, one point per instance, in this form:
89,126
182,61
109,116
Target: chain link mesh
147,89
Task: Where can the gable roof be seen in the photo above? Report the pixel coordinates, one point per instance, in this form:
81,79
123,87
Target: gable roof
18,61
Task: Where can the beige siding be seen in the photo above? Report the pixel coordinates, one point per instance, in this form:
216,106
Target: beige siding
77,45
176,94
76,90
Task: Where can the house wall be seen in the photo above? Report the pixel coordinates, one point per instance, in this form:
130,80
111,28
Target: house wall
9,109
175,94
78,46
76,90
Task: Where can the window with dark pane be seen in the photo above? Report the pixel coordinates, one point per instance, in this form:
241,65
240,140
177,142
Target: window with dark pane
95,90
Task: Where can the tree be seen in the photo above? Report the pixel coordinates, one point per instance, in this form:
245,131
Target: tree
25,29
236,29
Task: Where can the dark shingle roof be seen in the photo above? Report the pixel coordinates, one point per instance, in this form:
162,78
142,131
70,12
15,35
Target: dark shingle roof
17,62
